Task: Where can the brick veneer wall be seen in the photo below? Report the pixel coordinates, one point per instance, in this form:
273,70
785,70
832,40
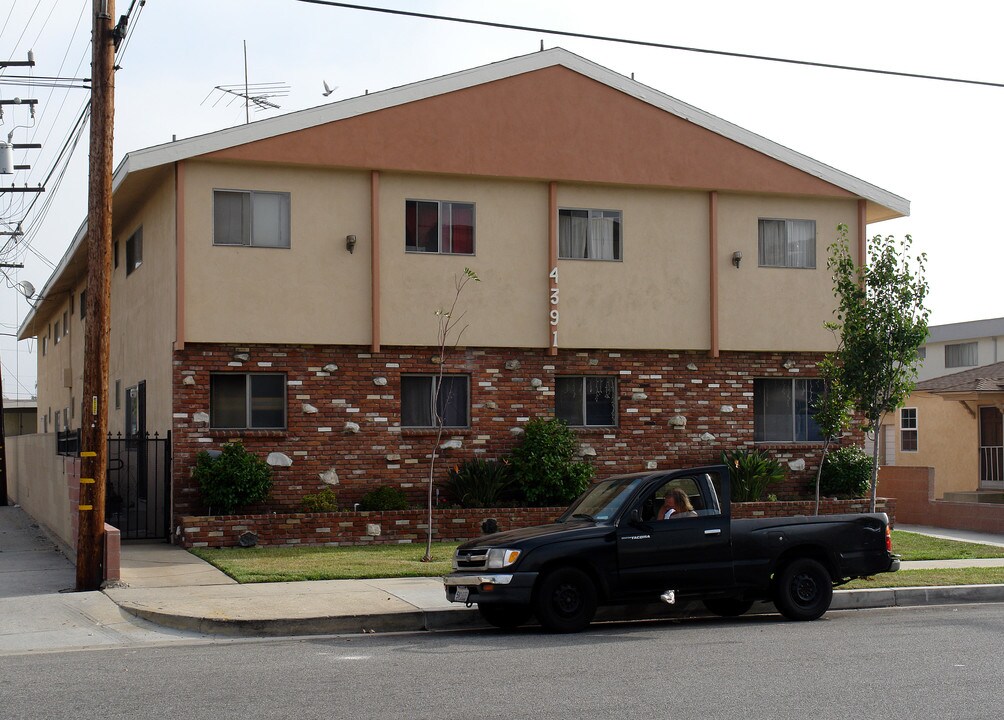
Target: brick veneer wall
507,388
359,528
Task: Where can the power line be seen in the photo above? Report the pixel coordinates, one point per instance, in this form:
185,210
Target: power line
646,43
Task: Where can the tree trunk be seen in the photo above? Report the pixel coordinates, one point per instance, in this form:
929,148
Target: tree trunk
819,472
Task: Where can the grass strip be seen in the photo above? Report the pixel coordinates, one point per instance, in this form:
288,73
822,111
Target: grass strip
913,546
930,578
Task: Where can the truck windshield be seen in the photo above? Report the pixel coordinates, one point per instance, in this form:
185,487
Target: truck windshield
603,500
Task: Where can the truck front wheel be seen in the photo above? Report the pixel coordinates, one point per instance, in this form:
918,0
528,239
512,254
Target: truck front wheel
505,616
565,600
803,590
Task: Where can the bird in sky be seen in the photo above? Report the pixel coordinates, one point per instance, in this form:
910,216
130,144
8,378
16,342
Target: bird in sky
328,90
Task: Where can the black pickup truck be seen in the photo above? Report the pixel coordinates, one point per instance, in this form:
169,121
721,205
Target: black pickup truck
610,548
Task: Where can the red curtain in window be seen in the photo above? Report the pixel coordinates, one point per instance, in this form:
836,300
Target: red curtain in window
461,228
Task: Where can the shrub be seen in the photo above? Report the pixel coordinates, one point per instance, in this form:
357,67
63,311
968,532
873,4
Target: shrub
479,483
232,479
847,473
752,471
384,498
544,464
324,501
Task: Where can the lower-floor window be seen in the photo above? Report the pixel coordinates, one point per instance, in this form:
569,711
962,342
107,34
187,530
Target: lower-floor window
783,410
247,401
419,397
586,400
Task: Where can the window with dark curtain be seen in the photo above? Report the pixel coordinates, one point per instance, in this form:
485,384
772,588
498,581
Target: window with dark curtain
228,401
231,218
417,393
783,410
458,226
237,400
586,401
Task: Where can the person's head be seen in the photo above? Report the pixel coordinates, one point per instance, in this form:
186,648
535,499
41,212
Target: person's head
679,500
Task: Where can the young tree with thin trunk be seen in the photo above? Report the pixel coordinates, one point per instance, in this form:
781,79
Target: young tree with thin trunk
832,412
448,338
881,322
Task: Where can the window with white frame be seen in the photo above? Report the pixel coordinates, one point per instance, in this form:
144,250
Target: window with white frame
418,398
787,243
908,429
247,401
251,218
783,410
134,251
961,355
436,226
589,234
586,400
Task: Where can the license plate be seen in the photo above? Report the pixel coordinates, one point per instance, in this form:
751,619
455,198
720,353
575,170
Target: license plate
462,594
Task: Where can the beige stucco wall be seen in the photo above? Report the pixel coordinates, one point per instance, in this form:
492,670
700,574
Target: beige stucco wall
988,350
141,331
143,312
315,291
947,440
754,315
509,306
37,479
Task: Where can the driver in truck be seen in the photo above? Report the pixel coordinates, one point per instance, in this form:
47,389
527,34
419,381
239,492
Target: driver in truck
675,505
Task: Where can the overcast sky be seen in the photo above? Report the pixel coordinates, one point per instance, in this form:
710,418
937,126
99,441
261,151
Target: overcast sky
937,144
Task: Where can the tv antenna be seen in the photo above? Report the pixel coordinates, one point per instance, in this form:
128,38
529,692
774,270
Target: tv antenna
257,94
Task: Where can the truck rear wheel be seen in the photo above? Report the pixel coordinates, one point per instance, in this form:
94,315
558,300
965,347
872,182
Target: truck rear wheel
803,590
728,607
504,615
565,600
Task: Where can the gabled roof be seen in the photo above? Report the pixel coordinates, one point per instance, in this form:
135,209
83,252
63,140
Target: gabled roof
139,167
986,378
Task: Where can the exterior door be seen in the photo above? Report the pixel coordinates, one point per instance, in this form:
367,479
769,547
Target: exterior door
991,449
687,554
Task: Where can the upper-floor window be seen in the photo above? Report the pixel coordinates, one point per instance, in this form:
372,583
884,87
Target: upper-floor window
58,335
787,243
418,398
961,355
245,217
247,401
45,344
66,324
435,226
783,410
83,303
586,401
908,429
589,234
134,251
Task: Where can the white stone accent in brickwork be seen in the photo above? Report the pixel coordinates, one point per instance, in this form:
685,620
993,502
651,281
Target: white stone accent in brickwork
324,429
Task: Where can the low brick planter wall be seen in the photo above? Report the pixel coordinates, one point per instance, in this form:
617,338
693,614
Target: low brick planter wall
408,526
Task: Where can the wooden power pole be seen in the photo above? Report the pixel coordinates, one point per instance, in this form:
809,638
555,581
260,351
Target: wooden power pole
94,419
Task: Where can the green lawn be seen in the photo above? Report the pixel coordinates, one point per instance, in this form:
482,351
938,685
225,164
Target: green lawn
913,546
309,562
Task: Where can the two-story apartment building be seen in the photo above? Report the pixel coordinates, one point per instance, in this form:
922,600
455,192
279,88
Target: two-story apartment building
652,274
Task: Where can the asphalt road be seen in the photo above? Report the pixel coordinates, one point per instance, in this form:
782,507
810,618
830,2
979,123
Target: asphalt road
942,662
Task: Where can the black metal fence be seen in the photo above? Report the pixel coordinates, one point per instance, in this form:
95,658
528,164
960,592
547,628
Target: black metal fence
138,489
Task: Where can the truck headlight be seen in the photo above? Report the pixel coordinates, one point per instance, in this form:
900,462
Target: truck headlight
501,557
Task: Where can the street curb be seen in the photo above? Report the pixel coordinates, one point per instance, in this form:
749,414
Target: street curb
468,618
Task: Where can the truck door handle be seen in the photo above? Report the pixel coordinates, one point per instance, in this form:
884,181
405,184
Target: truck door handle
713,531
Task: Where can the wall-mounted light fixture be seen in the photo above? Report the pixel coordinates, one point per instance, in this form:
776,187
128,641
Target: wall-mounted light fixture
737,257
350,242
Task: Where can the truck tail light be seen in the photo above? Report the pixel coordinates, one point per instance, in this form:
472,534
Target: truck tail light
888,538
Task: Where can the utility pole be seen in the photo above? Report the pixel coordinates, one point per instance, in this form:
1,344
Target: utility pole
94,419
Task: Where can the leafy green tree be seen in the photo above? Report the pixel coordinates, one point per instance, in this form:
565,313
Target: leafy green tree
833,412
881,322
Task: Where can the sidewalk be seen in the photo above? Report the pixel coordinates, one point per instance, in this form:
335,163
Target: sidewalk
171,587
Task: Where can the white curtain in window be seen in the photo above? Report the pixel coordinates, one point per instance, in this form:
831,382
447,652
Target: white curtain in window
573,229
270,220
231,218
601,238
772,244
801,243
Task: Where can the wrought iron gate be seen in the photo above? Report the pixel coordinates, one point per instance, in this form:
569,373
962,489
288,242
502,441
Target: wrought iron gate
138,491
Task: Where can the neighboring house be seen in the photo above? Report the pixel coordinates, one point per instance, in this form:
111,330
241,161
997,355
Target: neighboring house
20,417
652,274
953,424
955,347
